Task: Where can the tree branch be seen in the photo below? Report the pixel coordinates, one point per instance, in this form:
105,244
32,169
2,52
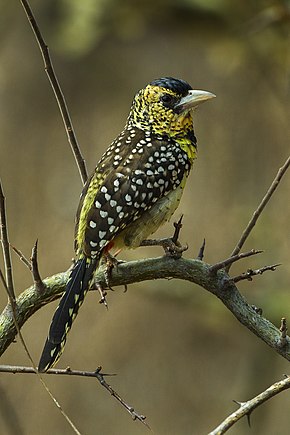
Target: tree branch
97,374
195,271
6,249
258,211
246,408
57,92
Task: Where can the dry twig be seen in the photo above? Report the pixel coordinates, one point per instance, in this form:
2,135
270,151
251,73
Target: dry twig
258,211
13,306
246,408
68,372
228,261
253,272
6,249
57,92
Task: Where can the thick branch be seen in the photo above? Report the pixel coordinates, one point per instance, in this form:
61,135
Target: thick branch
195,271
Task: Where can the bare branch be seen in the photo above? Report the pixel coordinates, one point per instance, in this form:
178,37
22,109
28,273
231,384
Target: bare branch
69,372
250,272
246,408
6,248
12,307
194,271
57,92
21,257
260,208
222,264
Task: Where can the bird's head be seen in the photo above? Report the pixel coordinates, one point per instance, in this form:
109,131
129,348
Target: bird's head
164,106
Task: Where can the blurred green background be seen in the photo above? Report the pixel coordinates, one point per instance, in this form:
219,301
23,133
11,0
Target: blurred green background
180,356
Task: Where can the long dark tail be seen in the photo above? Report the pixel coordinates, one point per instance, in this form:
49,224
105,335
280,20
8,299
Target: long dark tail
77,286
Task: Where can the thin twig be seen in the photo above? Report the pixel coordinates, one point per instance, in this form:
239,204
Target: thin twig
21,257
260,208
246,408
6,249
222,264
34,269
253,272
57,92
13,305
68,372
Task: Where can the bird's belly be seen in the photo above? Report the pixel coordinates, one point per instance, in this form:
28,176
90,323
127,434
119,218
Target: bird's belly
150,221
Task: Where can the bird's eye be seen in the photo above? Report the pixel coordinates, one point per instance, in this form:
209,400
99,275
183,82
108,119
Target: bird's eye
167,99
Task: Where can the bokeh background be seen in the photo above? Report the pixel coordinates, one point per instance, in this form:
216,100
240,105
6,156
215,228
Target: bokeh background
180,356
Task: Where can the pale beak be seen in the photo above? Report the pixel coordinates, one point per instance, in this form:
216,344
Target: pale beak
193,99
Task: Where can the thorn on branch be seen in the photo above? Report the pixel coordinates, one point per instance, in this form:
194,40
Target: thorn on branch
34,269
250,272
222,264
283,330
69,372
177,225
201,251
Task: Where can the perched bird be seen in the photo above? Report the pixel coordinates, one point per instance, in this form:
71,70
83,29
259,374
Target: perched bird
134,189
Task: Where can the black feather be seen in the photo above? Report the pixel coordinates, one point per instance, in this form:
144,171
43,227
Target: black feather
178,86
77,286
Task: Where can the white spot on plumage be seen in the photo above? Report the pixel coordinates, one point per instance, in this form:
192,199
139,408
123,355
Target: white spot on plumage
103,213
128,198
139,181
119,208
112,228
102,243
93,224
149,172
102,235
107,196
98,204
104,189
113,203
121,215
110,220
93,244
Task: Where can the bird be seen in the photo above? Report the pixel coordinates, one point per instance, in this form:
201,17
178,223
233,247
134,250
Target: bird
135,188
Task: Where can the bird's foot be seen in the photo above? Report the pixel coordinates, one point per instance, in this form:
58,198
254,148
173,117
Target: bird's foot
111,262
103,294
